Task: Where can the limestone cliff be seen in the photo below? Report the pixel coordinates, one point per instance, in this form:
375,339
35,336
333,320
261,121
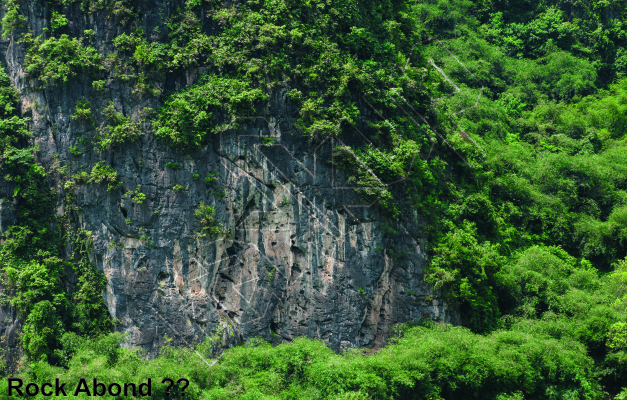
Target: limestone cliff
302,256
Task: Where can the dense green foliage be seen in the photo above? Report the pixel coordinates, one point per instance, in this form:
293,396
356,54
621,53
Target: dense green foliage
30,258
555,175
58,59
187,117
530,242
422,363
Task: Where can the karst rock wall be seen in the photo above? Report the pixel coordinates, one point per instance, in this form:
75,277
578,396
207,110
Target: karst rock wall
303,255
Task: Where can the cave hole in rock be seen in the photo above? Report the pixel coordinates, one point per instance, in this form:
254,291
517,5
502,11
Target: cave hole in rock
274,326
295,249
226,277
124,212
162,277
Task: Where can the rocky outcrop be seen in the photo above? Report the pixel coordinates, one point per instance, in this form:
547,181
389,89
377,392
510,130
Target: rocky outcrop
303,256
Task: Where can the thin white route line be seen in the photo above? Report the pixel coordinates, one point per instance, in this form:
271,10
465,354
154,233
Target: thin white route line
183,339
254,180
332,136
463,132
299,196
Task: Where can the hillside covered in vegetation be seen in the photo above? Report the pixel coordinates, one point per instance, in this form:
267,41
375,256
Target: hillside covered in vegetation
503,122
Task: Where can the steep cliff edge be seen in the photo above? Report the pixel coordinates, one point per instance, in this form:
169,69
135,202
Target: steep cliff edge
299,252
202,172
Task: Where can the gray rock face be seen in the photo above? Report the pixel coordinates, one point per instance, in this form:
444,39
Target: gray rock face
303,255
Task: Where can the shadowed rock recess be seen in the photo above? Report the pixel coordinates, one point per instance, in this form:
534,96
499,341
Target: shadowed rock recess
303,254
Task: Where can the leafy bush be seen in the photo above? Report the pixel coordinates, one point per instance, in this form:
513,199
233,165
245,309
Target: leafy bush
172,165
101,172
137,196
150,56
57,20
12,18
122,129
98,85
373,168
212,178
210,226
187,116
56,60
537,280
82,110
466,270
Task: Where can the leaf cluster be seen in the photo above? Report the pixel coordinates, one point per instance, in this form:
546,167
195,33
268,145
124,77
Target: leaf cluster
56,60
118,129
210,226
